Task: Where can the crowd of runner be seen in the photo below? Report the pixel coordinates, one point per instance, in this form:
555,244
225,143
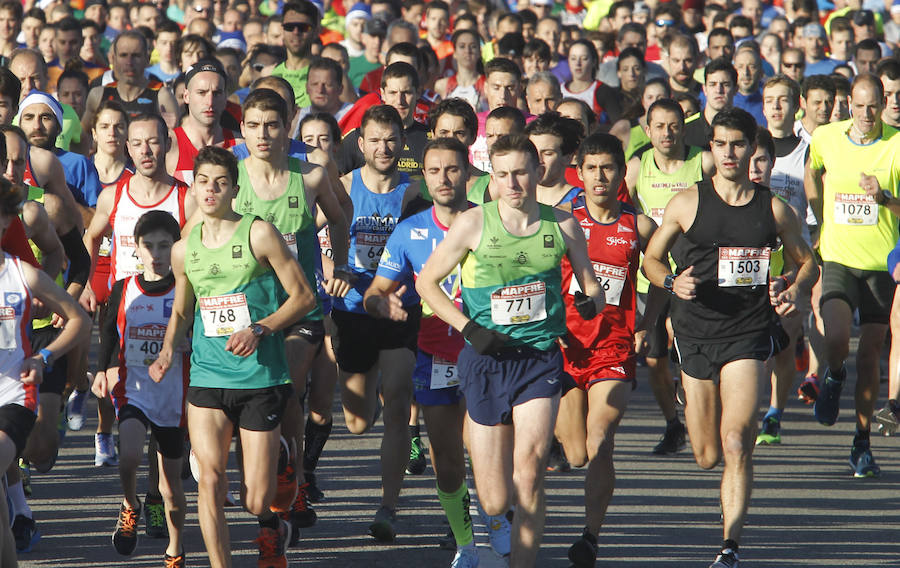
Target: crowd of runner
485,213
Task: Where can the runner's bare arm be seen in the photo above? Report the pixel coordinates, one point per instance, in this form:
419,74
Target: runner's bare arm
168,108
383,299
576,250
885,198
49,171
92,237
182,313
338,228
42,234
799,254
678,217
812,182
632,173
463,236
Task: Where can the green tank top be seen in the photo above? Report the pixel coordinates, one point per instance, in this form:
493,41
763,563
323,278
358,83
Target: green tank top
37,194
655,188
513,284
479,189
291,215
233,290
636,139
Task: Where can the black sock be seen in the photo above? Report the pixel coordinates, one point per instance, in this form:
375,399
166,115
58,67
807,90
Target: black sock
673,423
414,431
589,536
861,436
894,406
315,436
728,543
270,523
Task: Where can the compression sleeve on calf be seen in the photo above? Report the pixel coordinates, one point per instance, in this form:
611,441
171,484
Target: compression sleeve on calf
79,259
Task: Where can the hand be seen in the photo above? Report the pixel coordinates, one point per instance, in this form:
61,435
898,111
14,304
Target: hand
159,367
641,345
585,306
786,302
242,343
391,306
57,321
869,184
776,286
339,284
38,309
88,299
485,341
32,372
685,285
100,387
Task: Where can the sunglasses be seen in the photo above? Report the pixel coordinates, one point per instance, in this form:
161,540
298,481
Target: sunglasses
258,67
665,23
302,27
792,64
201,9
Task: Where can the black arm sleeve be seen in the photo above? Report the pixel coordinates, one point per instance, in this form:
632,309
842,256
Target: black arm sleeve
79,259
108,355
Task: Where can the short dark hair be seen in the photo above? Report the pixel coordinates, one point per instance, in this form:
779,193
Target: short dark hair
539,48
586,110
133,34
37,14
266,99
632,52
10,86
515,143
568,130
737,119
740,21
502,65
400,69
764,141
114,106
818,82
216,156
508,113
455,107
889,68
447,144
151,116
68,24
382,114
302,7
867,44
631,27
720,64
326,64
601,143
333,127
511,45
156,220
272,80
459,33
76,74
666,104
437,5
406,49
724,32
168,26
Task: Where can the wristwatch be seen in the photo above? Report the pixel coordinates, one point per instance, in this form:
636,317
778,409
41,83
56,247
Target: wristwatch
47,358
882,197
258,329
345,268
669,283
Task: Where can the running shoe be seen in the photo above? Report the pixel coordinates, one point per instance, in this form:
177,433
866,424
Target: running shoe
888,422
583,553
466,557
125,537
272,545
75,408
25,532
417,463
155,517
105,450
382,527
827,405
673,441
25,475
557,459
862,462
499,531
286,490
728,558
302,514
809,389
312,491
770,433
175,561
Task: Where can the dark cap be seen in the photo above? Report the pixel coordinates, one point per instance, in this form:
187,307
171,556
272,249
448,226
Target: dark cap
376,27
202,66
90,3
864,18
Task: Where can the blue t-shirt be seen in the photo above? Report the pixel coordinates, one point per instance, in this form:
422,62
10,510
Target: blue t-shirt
753,104
824,67
163,76
81,177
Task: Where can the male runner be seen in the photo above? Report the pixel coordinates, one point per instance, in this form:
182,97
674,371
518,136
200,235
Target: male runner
721,233
510,370
227,272
456,118
300,22
556,139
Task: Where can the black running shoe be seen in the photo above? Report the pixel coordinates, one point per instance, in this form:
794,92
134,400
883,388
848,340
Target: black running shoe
583,553
417,462
557,460
125,537
313,492
672,442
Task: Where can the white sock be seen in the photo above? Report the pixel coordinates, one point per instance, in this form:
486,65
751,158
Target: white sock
17,498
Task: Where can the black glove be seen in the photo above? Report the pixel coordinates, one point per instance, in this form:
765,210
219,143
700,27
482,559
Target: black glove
485,341
585,305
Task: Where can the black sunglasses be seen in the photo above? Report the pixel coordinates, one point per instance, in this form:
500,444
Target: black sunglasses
302,27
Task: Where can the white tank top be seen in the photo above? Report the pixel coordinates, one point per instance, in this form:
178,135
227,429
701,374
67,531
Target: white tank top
141,319
787,182
124,216
15,316
586,95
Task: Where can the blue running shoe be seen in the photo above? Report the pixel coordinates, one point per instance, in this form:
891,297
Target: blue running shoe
25,533
862,461
827,405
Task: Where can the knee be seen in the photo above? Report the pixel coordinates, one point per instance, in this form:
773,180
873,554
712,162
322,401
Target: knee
211,482
601,447
494,505
707,457
357,425
576,454
256,500
528,480
736,445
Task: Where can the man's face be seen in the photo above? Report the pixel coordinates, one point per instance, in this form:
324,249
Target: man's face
865,108
508,26
452,126
753,10
761,163
324,92
445,173
864,31
129,60
372,46
165,45
90,45
541,97
653,93
40,125
355,29
72,92
731,151
337,55
154,249
719,46
622,16
666,131
515,177
274,34
436,23
818,104
380,145
148,16
31,28
213,189
814,47
205,97
719,90
891,99
147,146
8,109
865,60
841,109
264,133
110,131
16,158
502,90
602,178
749,70
198,9
633,39
400,93
299,33
9,25
841,45
413,14
549,149
68,44
681,64
778,106
494,128
232,21
548,30
96,13
793,65
29,72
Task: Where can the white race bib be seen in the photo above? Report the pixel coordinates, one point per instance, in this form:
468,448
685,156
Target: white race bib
105,246
743,266
325,242
612,278
656,213
290,239
443,374
224,315
855,209
515,305
143,344
7,328
369,247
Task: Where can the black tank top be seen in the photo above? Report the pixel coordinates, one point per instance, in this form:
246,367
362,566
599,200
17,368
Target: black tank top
146,102
729,248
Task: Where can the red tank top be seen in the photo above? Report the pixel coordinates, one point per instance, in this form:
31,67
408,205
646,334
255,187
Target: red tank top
187,152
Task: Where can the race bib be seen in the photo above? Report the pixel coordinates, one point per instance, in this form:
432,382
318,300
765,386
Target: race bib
143,344
443,374
369,247
743,266
105,246
656,213
7,327
290,239
131,264
855,209
515,305
223,315
612,278
325,242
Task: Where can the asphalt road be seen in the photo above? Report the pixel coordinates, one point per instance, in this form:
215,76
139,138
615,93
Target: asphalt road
807,509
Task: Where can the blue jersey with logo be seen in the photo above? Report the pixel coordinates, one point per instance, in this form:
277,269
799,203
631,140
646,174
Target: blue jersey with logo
375,215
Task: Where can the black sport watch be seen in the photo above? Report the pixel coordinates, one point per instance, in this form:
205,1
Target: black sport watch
669,283
258,329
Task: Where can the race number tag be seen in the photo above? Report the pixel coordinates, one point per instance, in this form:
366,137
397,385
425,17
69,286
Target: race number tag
325,242
443,374
290,239
223,315
855,209
143,344
515,305
369,247
743,266
7,327
656,213
612,278
131,263
105,246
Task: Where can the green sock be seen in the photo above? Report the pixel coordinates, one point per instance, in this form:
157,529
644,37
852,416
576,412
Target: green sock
456,507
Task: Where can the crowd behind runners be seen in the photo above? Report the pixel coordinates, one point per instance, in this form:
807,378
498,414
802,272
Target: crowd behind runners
485,213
